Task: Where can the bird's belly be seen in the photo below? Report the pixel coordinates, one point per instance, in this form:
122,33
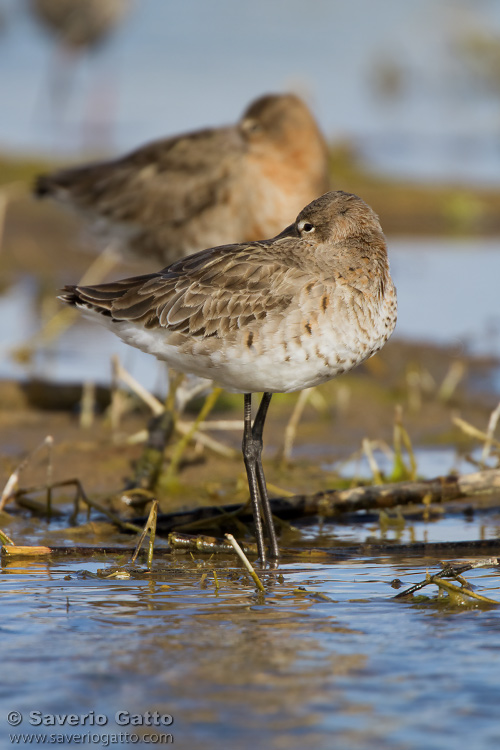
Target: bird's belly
275,365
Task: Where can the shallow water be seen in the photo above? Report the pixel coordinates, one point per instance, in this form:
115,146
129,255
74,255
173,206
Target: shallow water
234,669
430,461
446,291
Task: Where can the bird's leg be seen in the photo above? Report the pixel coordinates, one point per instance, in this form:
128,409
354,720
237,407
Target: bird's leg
252,452
257,431
250,460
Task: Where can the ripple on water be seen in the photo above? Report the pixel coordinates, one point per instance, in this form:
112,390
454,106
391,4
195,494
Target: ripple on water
339,661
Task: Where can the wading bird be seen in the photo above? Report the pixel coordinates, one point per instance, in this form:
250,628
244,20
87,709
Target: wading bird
277,315
78,27
79,24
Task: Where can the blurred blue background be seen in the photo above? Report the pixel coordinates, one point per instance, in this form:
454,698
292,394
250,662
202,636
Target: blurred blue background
415,87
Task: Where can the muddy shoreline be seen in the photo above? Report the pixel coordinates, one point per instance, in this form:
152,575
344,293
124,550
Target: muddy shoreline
356,406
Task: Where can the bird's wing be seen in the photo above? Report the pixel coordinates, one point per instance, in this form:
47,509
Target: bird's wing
211,293
166,182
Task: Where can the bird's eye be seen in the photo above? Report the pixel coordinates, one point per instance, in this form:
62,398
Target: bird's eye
250,126
307,227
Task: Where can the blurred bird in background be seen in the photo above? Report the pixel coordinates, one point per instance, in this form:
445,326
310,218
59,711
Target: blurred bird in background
79,26
211,187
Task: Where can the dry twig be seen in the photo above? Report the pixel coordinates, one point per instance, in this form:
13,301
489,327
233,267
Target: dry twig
453,571
332,502
244,559
151,527
11,488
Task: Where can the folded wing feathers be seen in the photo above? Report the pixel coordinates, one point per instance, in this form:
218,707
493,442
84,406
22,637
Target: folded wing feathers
208,294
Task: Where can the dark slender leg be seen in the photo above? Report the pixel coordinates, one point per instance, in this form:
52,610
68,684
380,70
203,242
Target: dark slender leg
250,464
257,431
252,453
